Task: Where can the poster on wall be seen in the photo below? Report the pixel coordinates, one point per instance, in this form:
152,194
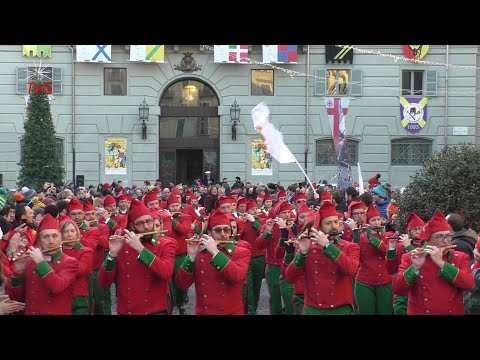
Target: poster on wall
115,156
261,159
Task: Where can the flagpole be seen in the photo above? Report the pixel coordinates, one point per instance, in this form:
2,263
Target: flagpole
304,173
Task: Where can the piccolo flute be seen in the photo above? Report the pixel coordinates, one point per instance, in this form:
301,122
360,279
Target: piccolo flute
197,240
422,251
329,235
24,256
140,234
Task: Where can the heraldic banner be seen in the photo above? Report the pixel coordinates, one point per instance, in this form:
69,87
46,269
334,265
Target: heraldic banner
261,158
413,112
115,156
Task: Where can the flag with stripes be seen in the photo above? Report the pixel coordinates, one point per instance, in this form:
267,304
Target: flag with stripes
94,53
230,53
147,53
338,54
287,54
37,50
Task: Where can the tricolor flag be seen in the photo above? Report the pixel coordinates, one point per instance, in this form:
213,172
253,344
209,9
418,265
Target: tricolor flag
37,50
94,53
280,54
230,53
147,53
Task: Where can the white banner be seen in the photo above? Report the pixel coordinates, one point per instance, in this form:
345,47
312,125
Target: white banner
94,53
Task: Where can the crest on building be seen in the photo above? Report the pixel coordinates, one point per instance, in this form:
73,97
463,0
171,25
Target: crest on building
338,54
415,52
188,64
413,112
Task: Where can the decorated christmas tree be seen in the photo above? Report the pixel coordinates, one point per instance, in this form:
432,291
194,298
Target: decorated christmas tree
40,160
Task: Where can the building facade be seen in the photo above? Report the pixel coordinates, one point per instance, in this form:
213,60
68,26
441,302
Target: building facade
190,96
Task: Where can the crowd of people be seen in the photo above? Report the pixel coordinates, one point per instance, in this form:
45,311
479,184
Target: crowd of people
321,250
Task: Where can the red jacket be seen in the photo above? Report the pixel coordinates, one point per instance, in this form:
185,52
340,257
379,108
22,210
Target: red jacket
395,256
84,256
142,279
373,264
250,235
299,285
102,245
328,274
435,292
48,286
218,281
270,242
181,228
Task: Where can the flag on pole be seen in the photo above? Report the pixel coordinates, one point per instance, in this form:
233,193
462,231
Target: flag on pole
273,138
287,54
147,53
361,188
230,53
337,109
94,53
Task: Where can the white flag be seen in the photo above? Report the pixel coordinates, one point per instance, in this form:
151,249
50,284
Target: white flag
94,53
361,188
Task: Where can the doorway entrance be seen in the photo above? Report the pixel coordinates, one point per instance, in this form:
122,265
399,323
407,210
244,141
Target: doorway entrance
189,165
189,131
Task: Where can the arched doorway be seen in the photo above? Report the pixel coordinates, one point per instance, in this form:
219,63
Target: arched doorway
189,132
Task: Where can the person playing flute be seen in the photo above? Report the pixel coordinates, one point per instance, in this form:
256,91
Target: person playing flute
396,248
435,280
45,277
218,270
141,265
328,264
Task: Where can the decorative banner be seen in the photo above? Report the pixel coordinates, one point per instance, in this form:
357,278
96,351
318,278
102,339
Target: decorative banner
94,53
230,53
287,54
361,188
416,52
338,54
115,156
147,53
337,109
37,50
413,111
261,158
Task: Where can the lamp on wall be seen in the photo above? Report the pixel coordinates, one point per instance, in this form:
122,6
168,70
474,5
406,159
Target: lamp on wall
234,117
143,111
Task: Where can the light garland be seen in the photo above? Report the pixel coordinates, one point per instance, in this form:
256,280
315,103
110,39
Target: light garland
293,73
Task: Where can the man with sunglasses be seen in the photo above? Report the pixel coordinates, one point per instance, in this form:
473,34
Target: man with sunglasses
142,266
434,281
217,269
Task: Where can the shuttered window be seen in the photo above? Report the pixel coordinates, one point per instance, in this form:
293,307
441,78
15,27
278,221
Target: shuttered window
25,75
326,154
411,152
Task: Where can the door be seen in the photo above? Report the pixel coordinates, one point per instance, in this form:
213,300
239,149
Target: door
189,165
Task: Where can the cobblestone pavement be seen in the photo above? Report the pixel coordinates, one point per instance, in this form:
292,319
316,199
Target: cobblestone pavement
262,304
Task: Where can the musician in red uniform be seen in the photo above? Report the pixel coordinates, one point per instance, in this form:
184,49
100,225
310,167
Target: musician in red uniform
434,281
328,264
142,266
45,278
218,270
373,283
396,248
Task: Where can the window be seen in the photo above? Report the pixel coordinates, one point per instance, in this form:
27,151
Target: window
203,126
115,81
180,127
411,152
337,82
326,154
25,75
412,83
262,83
189,127
60,149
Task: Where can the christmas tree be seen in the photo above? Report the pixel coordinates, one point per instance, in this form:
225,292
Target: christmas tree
40,161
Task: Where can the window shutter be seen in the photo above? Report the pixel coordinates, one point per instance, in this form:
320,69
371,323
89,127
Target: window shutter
57,80
22,74
320,84
432,80
357,83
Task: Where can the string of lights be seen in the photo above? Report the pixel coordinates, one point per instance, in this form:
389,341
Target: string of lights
399,91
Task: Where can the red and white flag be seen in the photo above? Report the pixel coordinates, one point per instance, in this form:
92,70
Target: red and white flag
337,109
